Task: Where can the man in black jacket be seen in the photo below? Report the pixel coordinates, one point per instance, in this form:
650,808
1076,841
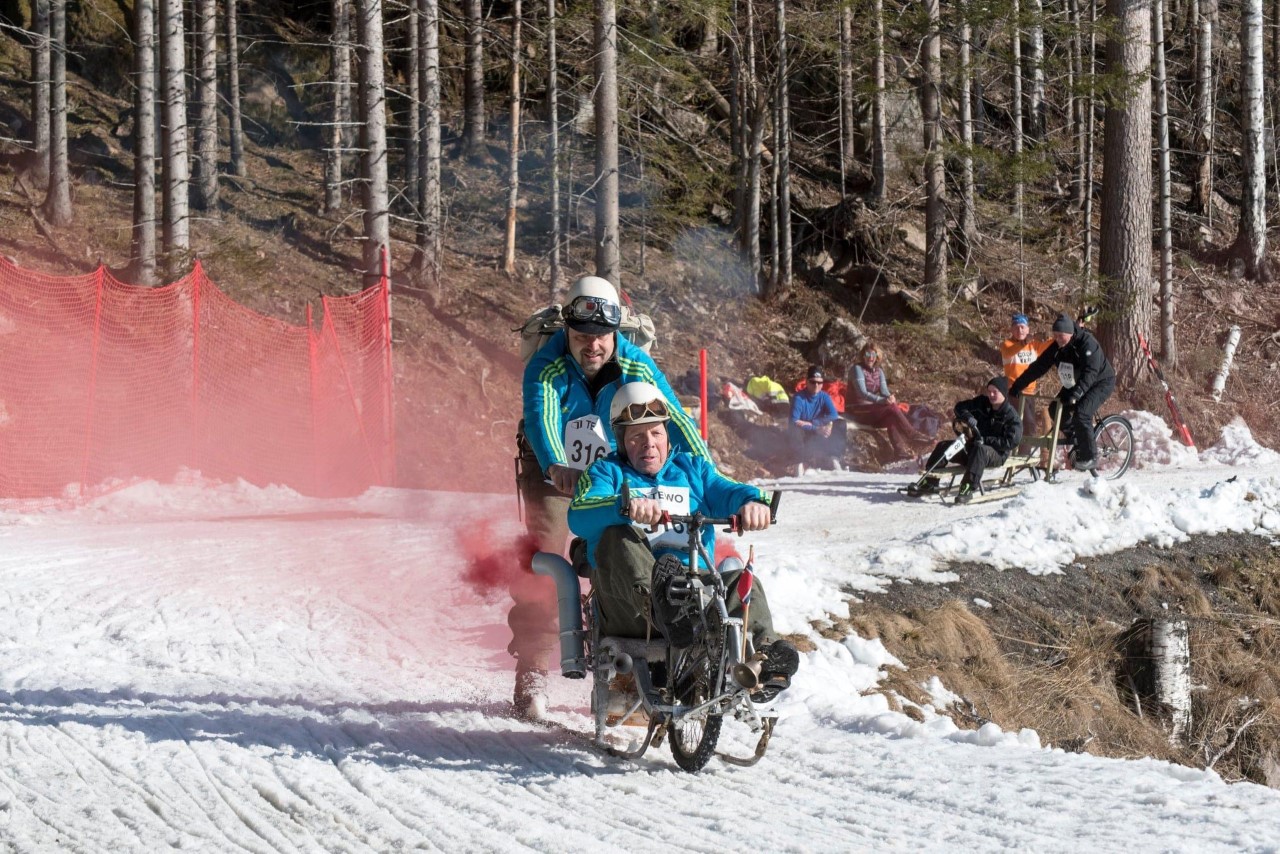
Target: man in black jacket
994,430
1087,381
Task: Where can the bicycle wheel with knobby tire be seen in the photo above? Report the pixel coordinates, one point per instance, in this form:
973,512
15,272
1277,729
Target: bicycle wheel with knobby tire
1113,441
693,739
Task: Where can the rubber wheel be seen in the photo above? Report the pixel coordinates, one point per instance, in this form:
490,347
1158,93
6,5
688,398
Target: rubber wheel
693,742
1113,438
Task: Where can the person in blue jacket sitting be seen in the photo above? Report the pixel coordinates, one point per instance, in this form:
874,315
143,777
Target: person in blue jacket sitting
625,558
818,433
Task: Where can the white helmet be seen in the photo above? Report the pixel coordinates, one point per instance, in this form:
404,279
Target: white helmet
638,403
592,306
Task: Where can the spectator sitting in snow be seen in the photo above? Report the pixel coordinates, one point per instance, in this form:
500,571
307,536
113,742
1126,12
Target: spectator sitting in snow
871,403
818,434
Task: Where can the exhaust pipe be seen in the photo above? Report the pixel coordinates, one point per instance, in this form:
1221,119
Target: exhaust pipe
573,659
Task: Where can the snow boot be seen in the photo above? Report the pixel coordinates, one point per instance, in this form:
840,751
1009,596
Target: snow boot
781,661
529,699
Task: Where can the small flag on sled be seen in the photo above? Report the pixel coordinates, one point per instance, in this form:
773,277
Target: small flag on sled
745,582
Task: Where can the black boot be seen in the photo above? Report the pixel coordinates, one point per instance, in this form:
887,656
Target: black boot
781,661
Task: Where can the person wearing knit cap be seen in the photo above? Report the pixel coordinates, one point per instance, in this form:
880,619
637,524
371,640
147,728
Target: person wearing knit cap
1017,352
818,435
993,429
1087,381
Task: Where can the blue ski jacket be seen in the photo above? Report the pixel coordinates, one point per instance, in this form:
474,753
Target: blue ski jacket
817,408
556,392
597,500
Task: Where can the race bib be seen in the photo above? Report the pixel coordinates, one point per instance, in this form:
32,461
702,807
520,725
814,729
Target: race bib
1067,373
675,500
584,441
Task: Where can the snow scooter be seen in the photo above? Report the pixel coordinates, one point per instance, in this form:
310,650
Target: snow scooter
679,692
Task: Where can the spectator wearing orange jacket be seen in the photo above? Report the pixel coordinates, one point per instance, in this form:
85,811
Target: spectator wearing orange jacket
1017,352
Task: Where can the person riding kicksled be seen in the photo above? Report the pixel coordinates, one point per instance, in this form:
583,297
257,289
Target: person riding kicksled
993,429
1087,381
632,556
569,384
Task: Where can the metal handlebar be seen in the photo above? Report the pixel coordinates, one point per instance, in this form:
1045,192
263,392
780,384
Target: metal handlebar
697,521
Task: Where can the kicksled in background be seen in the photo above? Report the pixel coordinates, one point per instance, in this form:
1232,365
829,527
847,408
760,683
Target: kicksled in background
1037,457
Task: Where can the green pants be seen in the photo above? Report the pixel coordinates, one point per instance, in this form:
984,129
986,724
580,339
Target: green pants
623,578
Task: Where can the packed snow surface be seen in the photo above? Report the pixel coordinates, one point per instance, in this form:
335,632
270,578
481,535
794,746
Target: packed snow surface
224,668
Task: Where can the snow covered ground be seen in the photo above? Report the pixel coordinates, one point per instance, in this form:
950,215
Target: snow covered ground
225,668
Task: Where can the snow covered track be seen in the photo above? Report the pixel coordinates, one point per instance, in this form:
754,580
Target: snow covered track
234,669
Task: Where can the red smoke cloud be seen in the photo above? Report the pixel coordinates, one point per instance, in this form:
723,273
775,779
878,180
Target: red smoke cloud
495,562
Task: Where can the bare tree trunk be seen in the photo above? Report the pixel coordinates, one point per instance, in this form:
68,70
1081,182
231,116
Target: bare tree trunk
1035,58
340,114
1086,213
413,139
373,103
206,159
177,219
754,111
848,150
968,207
235,130
738,123
1015,108
513,148
57,203
783,152
1161,84
1125,255
879,134
935,253
41,61
1251,243
1202,195
771,284
553,149
710,33
608,247
426,264
473,115
1078,102
143,250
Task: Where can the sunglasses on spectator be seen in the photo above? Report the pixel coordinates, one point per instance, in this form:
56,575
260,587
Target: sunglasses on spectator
818,380
593,308
871,354
636,411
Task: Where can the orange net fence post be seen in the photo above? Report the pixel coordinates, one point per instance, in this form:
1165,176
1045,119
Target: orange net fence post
103,381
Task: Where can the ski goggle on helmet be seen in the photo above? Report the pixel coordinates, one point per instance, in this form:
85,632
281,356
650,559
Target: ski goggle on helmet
592,306
638,403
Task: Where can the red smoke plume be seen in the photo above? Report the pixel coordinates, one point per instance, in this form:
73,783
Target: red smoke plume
495,562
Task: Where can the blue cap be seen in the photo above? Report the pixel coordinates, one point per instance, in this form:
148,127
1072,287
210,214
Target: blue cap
1020,318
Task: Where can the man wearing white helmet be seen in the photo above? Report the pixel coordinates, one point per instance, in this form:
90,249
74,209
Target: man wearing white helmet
628,563
568,387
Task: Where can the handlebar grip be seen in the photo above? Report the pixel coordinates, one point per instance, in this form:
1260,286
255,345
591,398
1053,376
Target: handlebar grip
773,506
625,509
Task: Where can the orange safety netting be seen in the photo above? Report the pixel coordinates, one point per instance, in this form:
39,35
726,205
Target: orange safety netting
103,381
